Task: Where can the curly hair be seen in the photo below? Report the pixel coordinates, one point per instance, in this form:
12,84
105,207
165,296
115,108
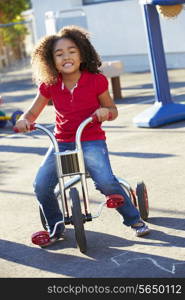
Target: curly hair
42,61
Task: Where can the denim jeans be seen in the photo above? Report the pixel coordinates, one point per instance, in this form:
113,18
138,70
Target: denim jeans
97,164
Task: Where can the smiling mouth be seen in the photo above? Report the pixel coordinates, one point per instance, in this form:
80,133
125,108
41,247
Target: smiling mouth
67,65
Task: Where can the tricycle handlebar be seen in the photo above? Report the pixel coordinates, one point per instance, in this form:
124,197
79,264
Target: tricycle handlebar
35,126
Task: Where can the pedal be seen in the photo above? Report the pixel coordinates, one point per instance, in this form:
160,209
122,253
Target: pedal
114,201
40,238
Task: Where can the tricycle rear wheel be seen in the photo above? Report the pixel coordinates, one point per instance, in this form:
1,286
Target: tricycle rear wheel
142,198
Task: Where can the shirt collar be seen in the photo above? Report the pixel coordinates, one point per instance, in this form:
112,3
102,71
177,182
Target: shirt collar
81,80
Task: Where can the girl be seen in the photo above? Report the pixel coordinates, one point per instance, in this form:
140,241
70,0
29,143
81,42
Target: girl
66,69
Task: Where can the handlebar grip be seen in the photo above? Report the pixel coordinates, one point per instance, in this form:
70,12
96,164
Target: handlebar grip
94,117
110,116
15,129
32,127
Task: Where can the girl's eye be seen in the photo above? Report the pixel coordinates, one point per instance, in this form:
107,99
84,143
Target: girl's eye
59,54
62,54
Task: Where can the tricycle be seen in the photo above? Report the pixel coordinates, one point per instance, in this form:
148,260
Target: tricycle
71,171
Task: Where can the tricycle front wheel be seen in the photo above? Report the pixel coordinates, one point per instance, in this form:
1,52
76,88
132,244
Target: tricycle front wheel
42,218
78,220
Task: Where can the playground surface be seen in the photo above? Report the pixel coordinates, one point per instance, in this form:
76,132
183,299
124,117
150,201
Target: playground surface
154,155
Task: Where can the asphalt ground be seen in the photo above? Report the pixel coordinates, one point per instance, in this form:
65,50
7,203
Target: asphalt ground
153,155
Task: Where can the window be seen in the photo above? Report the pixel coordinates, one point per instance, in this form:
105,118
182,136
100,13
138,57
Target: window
85,2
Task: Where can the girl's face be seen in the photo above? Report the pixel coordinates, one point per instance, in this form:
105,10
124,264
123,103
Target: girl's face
66,56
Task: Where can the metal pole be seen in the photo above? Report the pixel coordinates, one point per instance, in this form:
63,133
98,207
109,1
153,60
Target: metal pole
156,54
164,110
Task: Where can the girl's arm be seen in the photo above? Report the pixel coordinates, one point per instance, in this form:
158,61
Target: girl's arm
108,110
32,113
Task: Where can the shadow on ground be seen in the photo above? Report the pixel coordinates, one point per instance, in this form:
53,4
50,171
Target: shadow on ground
104,257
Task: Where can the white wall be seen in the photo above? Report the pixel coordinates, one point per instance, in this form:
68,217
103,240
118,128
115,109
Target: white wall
118,32
42,6
118,28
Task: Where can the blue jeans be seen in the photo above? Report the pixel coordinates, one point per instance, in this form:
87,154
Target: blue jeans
98,166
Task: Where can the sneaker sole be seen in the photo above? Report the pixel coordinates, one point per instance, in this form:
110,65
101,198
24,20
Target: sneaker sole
53,241
139,234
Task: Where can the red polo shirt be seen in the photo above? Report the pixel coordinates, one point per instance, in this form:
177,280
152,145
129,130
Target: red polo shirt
72,107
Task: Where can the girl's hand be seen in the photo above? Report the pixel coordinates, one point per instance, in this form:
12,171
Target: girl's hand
103,114
23,125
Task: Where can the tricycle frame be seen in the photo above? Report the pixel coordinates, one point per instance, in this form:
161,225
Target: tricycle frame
76,176
70,164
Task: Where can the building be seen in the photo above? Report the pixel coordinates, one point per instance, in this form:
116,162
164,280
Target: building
117,29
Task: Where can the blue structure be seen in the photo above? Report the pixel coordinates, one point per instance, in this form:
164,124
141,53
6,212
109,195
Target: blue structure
164,110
